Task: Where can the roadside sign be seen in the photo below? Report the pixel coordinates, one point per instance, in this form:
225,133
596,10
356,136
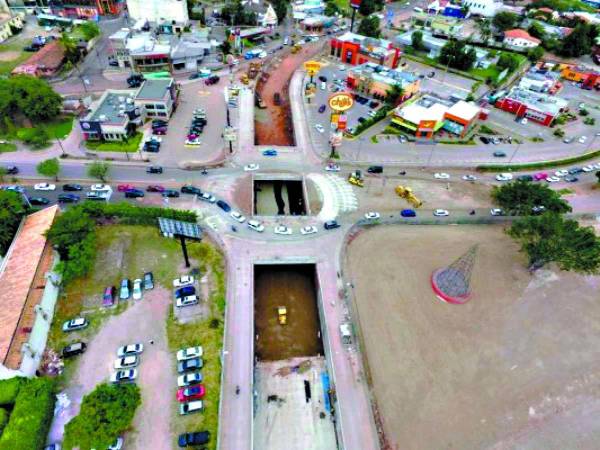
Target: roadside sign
342,101
335,139
229,134
312,67
355,3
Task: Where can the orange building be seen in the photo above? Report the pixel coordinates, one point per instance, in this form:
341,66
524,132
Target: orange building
579,74
355,49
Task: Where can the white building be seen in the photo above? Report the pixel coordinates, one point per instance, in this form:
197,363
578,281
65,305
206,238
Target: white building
157,10
520,39
485,8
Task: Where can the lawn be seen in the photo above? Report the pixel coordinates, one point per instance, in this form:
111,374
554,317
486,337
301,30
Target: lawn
61,127
8,61
131,146
7,147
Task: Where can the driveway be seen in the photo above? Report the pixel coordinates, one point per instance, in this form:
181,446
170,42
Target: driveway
141,322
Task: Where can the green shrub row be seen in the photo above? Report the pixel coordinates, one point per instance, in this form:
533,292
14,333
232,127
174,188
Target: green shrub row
537,165
31,417
129,214
9,389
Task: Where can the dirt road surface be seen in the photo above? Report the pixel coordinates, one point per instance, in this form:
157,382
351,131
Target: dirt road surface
514,368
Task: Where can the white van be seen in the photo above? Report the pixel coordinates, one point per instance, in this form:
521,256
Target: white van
190,407
417,9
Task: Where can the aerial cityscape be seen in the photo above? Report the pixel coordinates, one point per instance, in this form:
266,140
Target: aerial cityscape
299,224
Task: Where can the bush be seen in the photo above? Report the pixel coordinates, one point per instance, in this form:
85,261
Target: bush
30,420
589,121
134,215
81,259
35,137
9,389
3,419
105,413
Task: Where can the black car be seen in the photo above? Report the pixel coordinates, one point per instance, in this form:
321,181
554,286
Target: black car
12,170
148,281
331,224
322,108
373,104
77,348
154,169
484,139
159,123
214,79
189,189
32,48
72,187
185,291
39,201
375,169
152,146
170,193
323,78
500,154
134,193
223,205
195,438
135,80
525,178
113,63
68,198
199,121
361,120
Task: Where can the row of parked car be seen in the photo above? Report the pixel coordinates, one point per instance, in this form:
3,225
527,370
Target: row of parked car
109,297
196,128
185,291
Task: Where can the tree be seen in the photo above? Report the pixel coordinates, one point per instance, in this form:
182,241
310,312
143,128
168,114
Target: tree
281,9
368,7
520,197
369,26
99,169
505,20
417,40
394,94
485,29
331,9
89,30
537,30
70,47
49,168
507,61
105,413
12,210
551,238
535,54
3,173
70,228
31,97
456,54
578,43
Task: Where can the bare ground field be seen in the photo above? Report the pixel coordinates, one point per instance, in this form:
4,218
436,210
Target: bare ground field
514,368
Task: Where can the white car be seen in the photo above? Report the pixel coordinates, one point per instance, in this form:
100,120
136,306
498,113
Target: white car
189,379
496,212
189,353
309,229
524,120
237,216
207,197
137,289
441,176
127,362
331,167
596,166
256,226
323,85
194,142
185,280
124,376
187,301
372,215
320,128
100,187
372,113
441,213
504,177
282,229
44,187
130,349
250,167
552,179
587,168
469,177
561,173
190,407
582,139
342,67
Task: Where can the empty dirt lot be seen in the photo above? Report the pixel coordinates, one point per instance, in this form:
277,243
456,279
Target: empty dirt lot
515,368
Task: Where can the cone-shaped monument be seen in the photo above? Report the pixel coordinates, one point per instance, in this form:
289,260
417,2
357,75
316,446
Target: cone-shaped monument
452,284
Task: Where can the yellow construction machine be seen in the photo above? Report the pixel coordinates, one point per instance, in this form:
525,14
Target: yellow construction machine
407,194
356,178
282,315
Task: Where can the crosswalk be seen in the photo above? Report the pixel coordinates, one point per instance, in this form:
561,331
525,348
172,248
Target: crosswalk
337,196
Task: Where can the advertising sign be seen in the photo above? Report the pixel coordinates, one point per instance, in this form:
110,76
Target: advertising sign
312,67
335,139
342,122
355,3
340,102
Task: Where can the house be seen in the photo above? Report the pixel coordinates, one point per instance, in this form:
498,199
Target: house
354,49
520,39
538,107
438,25
316,24
376,81
44,63
269,18
159,10
28,295
485,8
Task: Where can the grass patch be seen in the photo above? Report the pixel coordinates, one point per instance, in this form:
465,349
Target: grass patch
16,46
131,146
484,129
60,128
208,333
537,165
565,191
374,139
8,147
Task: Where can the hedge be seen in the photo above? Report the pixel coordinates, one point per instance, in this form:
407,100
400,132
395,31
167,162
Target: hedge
9,390
31,417
134,215
537,165
3,419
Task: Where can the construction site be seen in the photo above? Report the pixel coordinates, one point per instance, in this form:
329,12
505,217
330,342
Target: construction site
511,366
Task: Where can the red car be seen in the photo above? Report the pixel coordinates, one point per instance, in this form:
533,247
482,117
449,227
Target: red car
196,392
540,176
125,187
155,188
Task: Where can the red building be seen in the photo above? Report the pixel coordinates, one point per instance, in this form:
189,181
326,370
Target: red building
86,9
535,106
355,49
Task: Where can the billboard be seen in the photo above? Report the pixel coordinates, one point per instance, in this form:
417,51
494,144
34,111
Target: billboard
341,102
312,67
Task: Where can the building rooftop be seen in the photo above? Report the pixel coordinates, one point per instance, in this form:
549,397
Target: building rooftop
50,56
111,107
146,43
385,74
18,271
542,102
425,108
464,110
517,33
154,89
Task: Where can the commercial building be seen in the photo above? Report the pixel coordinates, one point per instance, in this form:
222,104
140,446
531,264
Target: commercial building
354,49
28,295
159,10
535,106
9,23
588,77
518,39
541,80
157,98
376,81
86,9
428,114
44,63
485,8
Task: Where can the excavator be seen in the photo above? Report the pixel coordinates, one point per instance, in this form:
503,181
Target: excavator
407,194
356,178
282,315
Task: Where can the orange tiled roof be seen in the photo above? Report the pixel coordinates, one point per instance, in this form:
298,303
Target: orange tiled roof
517,33
19,270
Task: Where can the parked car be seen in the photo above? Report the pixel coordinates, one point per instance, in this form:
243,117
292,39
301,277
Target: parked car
184,280
496,212
159,131
441,176
155,188
124,376
504,177
408,213
154,169
256,226
540,176
191,407
190,300
77,348
196,392
68,198
127,362
78,323
525,178
124,290
130,349
134,193
207,197
322,108
499,154
157,123
12,170
189,189
189,353
195,438
148,281
269,152
99,187
223,205
212,80
137,289
441,213
237,216
117,445
372,215
189,379
44,187
309,229
185,291
375,169
484,139
282,229
189,364
331,224
96,195
72,187
168,193
109,296
38,201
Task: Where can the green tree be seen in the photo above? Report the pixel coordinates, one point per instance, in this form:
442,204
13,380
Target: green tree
89,30
394,94
520,197
49,168
535,54
552,238
369,26
331,9
99,170
105,413
70,47
598,176
537,30
457,55
281,9
417,40
12,210
505,20
33,98
3,173
485,29
507,61
68,229
368,7
578,43
81,258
